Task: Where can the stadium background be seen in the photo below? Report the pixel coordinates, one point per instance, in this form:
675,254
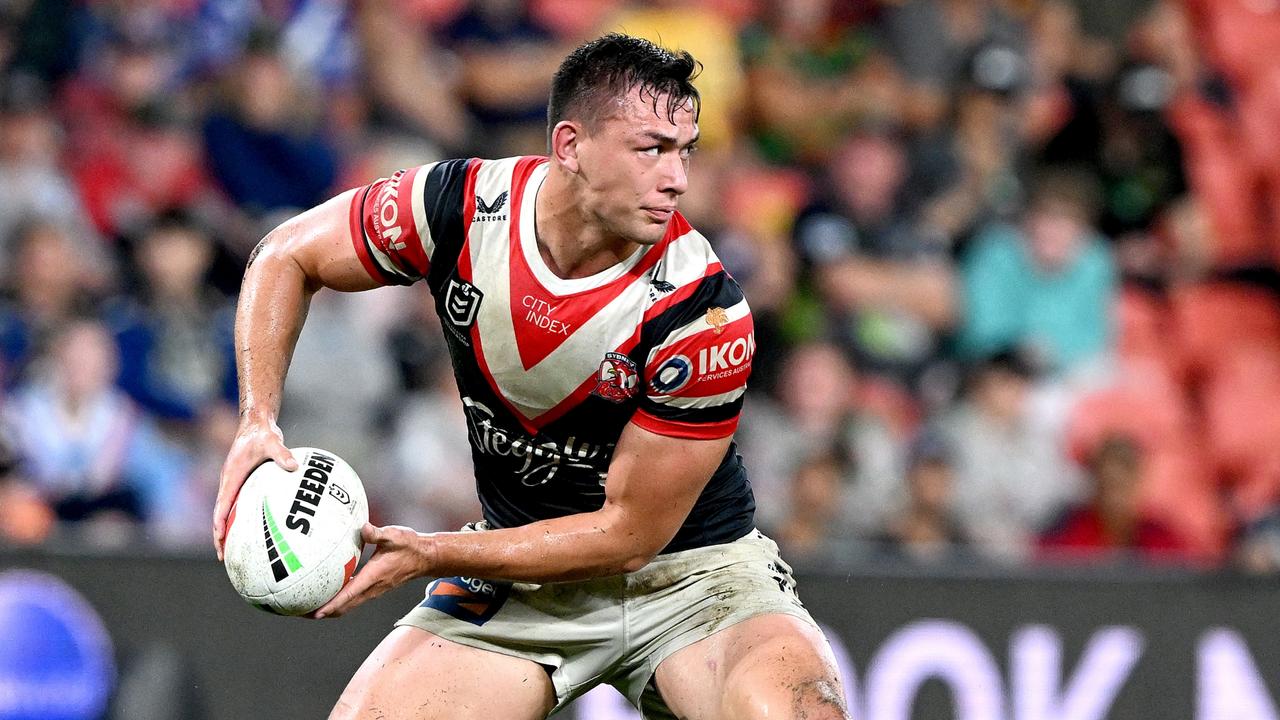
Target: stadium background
1013,265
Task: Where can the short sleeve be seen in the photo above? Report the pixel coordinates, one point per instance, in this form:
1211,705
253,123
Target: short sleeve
696,375
392,222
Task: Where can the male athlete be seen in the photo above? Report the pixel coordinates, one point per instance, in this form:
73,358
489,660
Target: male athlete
601,352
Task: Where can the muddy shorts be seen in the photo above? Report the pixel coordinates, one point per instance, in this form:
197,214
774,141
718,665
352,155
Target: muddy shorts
615,629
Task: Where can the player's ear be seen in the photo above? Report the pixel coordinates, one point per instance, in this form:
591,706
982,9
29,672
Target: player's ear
565,137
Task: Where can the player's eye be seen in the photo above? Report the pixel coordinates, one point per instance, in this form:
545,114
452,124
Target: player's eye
688,150
652,151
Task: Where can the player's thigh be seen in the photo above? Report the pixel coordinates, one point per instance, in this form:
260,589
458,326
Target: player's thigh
770,666
414,675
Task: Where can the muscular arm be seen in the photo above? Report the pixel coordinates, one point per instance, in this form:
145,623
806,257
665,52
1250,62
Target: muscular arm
307,252
652,485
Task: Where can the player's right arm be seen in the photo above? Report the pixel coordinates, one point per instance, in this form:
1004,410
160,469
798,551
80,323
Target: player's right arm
380,234
307,252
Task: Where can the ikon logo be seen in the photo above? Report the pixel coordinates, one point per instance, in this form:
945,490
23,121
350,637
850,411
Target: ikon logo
726,355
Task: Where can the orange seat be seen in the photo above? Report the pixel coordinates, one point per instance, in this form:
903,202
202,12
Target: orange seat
1241,402
1145,404
1178,490
1216,320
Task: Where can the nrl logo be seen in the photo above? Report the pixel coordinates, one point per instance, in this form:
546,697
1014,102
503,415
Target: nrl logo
461,301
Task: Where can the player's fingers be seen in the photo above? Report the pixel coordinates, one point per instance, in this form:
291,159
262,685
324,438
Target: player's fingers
348,597
234,472
371,534
282,456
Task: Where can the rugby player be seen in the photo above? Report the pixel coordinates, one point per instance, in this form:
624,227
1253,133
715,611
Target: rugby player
601,352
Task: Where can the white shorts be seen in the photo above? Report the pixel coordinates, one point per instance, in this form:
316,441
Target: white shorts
616,629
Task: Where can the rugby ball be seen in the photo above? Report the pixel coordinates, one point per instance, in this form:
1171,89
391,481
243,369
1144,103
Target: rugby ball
293,538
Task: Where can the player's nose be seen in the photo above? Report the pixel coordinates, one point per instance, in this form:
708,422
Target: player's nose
675,175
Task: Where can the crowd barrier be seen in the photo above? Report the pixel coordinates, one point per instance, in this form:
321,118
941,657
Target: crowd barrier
174,641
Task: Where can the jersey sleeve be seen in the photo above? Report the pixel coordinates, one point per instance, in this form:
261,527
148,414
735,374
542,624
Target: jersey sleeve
398,222
696,374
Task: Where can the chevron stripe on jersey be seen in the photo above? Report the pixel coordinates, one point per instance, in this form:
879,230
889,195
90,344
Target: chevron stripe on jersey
551,370
541,346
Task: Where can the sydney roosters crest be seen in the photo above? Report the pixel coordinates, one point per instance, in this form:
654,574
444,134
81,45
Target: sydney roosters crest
617,379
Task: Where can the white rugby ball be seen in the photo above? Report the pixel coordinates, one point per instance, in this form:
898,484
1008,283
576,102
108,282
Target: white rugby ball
294,537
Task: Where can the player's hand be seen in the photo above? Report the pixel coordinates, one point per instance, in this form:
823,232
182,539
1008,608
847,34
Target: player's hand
397,559
256,442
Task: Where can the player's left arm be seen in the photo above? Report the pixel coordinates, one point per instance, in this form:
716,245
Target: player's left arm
652,485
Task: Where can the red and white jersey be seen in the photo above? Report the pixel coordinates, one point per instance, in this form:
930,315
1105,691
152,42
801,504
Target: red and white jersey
551,370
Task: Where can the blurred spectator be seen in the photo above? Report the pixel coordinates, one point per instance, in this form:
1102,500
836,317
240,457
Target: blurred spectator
815,415
133,150
1112,520
1045,287
177,353
812,72
185,522
85,447
31,144
1062,113
711,37
410,77
432,483
328,405
490,38
972,170
926,530
932,41
813,522
1011,474
889,288
266,149
50,280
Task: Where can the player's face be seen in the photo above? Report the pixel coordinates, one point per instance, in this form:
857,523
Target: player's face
635,167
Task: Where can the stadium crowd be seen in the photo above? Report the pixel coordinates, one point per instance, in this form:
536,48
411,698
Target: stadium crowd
1014,278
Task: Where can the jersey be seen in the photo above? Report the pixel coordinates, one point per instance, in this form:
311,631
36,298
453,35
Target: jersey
550,370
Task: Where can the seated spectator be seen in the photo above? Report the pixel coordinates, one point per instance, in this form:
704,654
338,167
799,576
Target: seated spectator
926,529
1112,521
710,35
813,70
133,146
932,43
1011,474
31,144
267,152
490,38
49,281
84,446
815,415
972,170
888,288
177,354
1045,287
813,520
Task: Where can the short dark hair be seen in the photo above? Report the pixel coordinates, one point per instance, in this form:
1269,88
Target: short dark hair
609,67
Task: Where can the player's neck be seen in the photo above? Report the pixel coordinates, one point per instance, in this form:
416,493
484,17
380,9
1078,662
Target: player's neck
570,243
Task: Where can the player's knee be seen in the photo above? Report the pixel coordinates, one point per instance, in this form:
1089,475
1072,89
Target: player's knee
811,699
779,680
